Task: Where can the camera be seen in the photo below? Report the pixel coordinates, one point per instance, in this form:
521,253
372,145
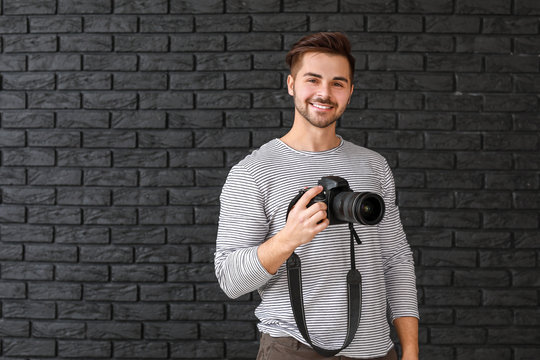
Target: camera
345,205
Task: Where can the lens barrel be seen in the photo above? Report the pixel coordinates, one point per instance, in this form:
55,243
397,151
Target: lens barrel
358,207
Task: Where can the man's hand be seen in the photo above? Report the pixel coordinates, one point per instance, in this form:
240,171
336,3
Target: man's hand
303,224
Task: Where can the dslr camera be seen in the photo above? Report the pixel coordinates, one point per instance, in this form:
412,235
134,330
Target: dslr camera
345,205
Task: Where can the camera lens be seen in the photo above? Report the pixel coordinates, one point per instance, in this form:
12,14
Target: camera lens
369,208
356,207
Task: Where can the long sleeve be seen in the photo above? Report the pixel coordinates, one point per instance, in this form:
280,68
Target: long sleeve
398,261
243,226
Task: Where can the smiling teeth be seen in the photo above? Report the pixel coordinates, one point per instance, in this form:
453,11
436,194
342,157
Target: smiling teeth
321,106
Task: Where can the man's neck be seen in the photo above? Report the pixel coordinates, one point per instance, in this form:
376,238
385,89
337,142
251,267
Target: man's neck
311,138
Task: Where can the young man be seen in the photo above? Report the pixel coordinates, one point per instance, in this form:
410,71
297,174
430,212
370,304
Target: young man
255,239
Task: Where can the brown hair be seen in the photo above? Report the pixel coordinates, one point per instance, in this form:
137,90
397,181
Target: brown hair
325,42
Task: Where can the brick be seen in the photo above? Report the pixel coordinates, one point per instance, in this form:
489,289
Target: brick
54,291
137,273
526,45
485,122
526,353
496,258
113,330
395,100
28,309
84,7
452,297
28,157
458,335
483,200
50,253
425,6
26,233
117,62
56,24
223,62
140,81
430,199
511,297
87,81
168,215
166,24
129,349
513,336
138,120
368,6
483,353
82,273
281,22
108,100
105,254
78,349
14,328
225,330
54,176
316,6
145,43
167,292
511,103
140,312
402,140
12,62
221,138
82,119
22,81
526,200
423,82
110,292
162,254
52,62
197,42
28,347
483,7
11,252
483,44
13,25
511,181
139,197
140,6
253,41
253,80
241,312
509,25
511,64
197,81
30,7
203,6
29,43
203,196
452,102
110,216
332,22
452,24
139,158
171,177
190,272
396,62
394,23
453,258
165,100
527,83
58,330
54,100
197,312
510,220
134,235
481,278
223,23
428,277
83,311
272,99
525,278
527,7
85,43
170,331
483,82
452,218
54,215
12,138
25,271
527,161
269,61
12,213
453,141
498,141
424,121
196,158
12,176
173,62
489,160
525,239
423,160
197,349
457,63
84,158
12,100
37,138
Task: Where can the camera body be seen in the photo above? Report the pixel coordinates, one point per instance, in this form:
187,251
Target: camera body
344,205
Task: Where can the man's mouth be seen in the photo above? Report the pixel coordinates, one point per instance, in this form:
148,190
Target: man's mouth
321,106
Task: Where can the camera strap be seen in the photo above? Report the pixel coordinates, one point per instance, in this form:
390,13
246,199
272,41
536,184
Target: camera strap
354,298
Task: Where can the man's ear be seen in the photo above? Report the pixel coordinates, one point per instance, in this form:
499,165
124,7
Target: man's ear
290,84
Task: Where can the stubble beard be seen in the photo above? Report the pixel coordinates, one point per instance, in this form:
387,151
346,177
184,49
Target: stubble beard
318,121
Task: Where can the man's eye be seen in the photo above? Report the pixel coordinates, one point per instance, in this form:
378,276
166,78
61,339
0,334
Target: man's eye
338,84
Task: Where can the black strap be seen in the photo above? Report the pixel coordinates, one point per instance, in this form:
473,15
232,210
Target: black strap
354,298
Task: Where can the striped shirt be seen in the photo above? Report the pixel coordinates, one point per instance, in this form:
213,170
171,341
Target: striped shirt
254,203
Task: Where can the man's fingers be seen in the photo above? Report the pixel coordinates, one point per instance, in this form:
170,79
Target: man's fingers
310,194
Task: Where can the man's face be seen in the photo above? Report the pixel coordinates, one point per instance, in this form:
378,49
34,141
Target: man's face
321,87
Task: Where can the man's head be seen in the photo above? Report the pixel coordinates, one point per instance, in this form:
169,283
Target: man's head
321,78
324,42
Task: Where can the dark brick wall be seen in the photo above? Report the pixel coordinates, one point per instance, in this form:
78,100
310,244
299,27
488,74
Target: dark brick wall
120,120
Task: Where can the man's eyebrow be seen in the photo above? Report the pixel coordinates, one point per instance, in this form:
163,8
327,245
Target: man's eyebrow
339,78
